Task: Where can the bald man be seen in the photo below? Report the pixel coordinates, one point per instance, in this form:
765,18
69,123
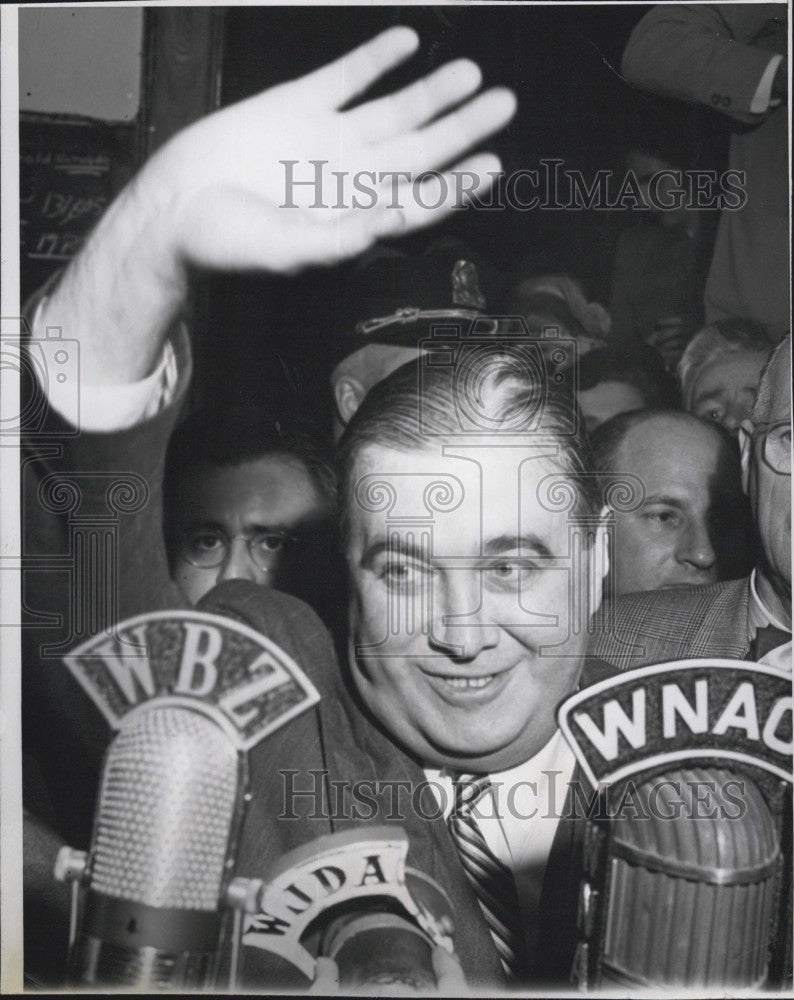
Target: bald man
689,519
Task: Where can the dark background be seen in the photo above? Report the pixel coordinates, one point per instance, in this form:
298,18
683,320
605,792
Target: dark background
256,336
564,65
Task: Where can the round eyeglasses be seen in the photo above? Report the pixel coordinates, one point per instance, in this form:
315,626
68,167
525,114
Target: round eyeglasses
776,445
206,548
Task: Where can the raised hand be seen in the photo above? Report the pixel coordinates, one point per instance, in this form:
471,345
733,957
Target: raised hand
216,195
224,186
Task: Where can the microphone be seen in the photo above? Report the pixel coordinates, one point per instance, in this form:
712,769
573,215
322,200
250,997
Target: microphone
350,896
169,799
686,875
189,693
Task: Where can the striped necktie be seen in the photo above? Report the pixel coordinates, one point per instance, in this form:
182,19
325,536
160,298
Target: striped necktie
492,881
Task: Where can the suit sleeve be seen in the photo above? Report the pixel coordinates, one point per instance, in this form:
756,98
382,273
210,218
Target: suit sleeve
92,555
702,53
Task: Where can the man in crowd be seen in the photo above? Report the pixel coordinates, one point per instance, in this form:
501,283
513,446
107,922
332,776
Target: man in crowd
209,197
662,257
720,368
749,618
389,305
732,58
613,381
250,494
686,521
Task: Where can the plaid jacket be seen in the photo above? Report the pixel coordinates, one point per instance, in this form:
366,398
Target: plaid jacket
659,625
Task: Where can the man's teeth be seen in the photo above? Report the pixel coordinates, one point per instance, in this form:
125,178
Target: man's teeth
469,682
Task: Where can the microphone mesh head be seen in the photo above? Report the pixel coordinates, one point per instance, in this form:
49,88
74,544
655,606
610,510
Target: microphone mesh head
693,883
166,807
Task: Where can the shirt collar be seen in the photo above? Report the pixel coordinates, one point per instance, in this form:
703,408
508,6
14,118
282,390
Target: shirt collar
758,614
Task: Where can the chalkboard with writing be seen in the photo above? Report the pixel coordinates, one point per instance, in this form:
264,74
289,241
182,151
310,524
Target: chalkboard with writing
70,170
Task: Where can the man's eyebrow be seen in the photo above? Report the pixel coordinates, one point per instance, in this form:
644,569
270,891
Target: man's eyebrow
709,397
666,500
513,543
204,524
255,528
396,545
413,548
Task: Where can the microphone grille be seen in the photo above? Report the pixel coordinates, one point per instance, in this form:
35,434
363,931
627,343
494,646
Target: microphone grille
166,808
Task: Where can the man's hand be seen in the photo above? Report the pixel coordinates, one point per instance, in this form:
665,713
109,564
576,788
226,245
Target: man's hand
215,195
224,184
450,980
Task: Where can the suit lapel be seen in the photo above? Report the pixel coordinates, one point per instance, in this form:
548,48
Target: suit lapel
355,751
724,626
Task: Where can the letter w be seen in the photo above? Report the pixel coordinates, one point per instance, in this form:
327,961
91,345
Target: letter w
616,721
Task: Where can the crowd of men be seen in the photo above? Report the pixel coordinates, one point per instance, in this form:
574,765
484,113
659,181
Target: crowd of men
452,616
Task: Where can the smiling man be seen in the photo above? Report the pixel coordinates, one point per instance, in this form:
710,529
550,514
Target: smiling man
476,553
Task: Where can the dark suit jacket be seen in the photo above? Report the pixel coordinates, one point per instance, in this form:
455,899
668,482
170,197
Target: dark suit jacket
659,625
94,555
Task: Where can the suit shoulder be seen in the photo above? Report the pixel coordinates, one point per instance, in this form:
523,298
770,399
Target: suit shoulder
658,625
653,603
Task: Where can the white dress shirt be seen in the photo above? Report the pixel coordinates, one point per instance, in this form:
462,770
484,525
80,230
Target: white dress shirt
759,616
107,408
520,819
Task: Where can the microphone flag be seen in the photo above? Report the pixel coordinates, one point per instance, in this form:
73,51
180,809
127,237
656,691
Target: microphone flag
687,852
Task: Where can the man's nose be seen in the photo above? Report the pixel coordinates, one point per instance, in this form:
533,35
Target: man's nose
461,626
695,546
238,564
734,415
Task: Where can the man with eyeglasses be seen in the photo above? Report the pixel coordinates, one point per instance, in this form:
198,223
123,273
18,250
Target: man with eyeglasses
250,494
747,619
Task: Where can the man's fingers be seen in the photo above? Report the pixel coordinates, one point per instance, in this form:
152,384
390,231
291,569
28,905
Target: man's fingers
334,85
326,977
417,104
449,974
427,202
449,137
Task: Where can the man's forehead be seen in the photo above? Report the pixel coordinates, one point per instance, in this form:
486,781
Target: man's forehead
489,488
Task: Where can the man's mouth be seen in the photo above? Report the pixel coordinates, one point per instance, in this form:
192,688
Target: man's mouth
469,683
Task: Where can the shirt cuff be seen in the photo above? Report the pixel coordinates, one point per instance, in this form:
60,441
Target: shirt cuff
106,408
762,98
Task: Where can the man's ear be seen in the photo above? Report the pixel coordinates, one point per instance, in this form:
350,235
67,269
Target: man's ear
348,393
745,451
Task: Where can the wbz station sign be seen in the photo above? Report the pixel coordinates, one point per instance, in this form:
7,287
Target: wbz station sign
227,670
726,710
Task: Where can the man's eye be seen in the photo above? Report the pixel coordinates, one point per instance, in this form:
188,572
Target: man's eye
205,541
666,517
269,543
509,573
400,575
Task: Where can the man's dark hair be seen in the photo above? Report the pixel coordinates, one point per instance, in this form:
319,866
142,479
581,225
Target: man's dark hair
642,369
245,433
420,403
